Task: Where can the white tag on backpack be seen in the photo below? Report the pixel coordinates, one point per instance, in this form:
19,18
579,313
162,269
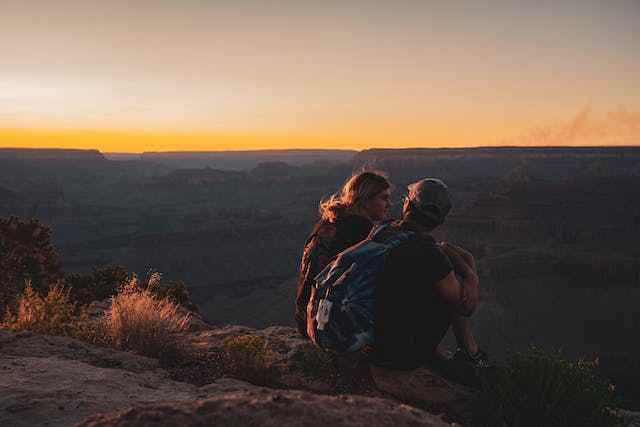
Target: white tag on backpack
324,311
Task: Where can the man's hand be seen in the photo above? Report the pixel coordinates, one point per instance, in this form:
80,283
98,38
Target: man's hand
461,259
462,295
464,264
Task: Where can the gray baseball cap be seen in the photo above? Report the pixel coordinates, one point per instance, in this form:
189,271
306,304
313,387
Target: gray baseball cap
430,198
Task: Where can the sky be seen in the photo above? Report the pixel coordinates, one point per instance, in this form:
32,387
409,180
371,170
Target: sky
138,75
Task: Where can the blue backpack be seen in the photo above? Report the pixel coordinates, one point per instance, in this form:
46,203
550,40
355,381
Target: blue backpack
341,310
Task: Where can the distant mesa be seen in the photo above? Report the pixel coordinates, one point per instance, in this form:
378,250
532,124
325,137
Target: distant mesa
49,154
122,156
374,154
244,160
275,171
196,177
193,177
276,153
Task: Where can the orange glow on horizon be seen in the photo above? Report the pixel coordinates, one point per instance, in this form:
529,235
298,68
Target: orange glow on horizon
132,141
613,128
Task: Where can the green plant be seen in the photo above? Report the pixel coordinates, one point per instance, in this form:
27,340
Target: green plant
197,367
26,254
541,388
314,362
140,321
244,358
105,281
52,314
176,290
102,283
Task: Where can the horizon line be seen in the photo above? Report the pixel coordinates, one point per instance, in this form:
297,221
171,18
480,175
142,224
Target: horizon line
470,147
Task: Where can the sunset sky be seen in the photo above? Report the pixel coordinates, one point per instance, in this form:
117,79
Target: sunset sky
138,75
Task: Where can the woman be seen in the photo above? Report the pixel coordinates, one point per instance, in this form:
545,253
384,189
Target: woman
346,218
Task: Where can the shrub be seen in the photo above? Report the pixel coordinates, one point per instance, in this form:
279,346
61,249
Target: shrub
197,367
176,291
53,314
26,253
624,371
91,330
140,321
102,283
314,363
539,388
244,358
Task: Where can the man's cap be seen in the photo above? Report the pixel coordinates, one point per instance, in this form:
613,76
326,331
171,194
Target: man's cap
430,198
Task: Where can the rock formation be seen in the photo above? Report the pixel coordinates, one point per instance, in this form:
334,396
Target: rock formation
60,381
238,404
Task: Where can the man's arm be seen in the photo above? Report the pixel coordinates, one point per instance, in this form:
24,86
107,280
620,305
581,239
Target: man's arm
462,295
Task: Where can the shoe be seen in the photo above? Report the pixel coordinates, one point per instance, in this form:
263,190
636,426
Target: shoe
479,360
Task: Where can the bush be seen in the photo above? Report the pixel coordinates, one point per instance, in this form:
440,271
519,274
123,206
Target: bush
140,321
176,291
53,314
539,388
315,363
197,367
102,283
90,330
26,254
244,358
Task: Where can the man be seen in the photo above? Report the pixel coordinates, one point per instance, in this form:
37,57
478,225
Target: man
425,289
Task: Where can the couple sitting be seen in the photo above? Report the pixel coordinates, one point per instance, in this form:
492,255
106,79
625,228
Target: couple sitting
425,287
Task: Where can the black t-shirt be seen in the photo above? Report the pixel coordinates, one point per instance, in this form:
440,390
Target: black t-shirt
411,318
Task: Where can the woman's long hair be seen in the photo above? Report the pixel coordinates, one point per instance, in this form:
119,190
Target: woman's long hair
355,192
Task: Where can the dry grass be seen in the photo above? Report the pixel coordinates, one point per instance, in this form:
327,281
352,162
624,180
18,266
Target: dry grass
52,314
141,322
138,320
90,330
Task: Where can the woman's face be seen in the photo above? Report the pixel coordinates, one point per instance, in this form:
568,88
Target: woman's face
377,207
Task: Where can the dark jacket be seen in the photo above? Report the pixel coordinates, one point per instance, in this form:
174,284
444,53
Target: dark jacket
326,241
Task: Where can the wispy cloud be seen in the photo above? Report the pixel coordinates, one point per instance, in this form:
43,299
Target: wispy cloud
614,127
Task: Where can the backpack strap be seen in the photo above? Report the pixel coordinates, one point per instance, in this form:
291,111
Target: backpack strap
378,228
394,239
